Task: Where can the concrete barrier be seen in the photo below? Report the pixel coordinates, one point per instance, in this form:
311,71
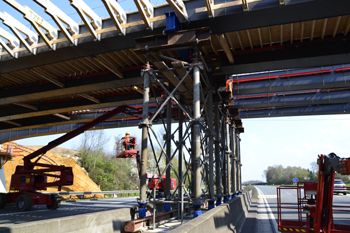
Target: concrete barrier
228,217
3,188
101,222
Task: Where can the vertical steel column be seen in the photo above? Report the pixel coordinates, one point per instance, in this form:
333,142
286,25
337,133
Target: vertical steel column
223,155
239,164
234,159
237,160
228,158
168,151
196,150
144,126
181,196
211,145
217,155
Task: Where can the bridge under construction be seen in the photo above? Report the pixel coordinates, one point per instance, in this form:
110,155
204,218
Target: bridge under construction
199,66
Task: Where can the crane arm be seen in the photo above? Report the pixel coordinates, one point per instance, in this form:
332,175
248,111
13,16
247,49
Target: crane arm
74,133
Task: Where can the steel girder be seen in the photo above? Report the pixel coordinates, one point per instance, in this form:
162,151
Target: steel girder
261,14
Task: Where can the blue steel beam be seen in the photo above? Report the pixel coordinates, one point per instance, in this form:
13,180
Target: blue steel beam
297,111
280,99
79,119
27,133
333,79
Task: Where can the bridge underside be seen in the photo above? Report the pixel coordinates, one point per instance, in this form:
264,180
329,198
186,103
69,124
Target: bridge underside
50,88
192,77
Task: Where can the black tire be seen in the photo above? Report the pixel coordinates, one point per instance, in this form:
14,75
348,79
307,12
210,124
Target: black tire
344,193
56,202
3,200
24,203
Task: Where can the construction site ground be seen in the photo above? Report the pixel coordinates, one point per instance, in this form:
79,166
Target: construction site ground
59,156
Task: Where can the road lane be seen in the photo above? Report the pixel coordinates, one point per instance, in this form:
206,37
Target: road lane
290,196
9,216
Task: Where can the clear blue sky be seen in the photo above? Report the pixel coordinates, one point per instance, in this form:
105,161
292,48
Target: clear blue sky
289,141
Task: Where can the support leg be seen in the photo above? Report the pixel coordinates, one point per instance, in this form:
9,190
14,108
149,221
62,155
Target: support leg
217,155
228,159
196,154
144,126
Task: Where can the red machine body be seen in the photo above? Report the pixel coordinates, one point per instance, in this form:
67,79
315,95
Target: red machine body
161,184
316,200
33,176
126,149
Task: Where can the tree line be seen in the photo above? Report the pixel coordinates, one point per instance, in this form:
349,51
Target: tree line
279,175
112,173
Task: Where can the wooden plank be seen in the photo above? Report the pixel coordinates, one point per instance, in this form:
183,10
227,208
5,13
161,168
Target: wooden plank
223,5
222,40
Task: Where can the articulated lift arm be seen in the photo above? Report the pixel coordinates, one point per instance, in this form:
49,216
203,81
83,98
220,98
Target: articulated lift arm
64,174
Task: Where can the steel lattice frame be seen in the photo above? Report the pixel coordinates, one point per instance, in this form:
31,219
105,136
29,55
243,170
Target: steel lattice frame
208,142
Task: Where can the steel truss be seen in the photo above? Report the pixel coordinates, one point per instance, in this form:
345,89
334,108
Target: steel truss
207,143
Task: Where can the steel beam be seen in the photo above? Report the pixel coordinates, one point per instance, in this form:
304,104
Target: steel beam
144,126
8,97
331,79
297,111
218,181
180,146
228,155
196,155
168,149
211,145
261,15
239,165
288,99
68,106
302,55
233,158
223,154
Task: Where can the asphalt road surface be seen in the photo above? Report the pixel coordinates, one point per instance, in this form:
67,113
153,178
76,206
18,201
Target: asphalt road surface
290,196
9,216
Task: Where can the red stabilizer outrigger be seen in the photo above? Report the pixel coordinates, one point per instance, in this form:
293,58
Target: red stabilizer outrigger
317,200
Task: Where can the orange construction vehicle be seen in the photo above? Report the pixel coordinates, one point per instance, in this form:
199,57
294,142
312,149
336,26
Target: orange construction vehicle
315,200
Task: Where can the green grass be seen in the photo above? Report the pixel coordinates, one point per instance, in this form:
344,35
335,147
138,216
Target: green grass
251,187
347,185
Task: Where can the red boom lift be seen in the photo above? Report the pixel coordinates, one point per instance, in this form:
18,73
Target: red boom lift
317,201
32,176
126,149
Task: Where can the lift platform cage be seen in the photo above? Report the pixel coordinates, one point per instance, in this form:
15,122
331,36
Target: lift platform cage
298,215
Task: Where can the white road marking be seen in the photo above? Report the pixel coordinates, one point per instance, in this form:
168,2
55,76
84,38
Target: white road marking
289,193
268,209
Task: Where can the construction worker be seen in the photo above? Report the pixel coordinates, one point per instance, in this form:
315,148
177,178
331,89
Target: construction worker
128,141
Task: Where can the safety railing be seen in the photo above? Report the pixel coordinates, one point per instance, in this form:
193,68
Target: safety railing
94,193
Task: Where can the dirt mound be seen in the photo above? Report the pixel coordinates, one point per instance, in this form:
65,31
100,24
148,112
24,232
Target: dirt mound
66,157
